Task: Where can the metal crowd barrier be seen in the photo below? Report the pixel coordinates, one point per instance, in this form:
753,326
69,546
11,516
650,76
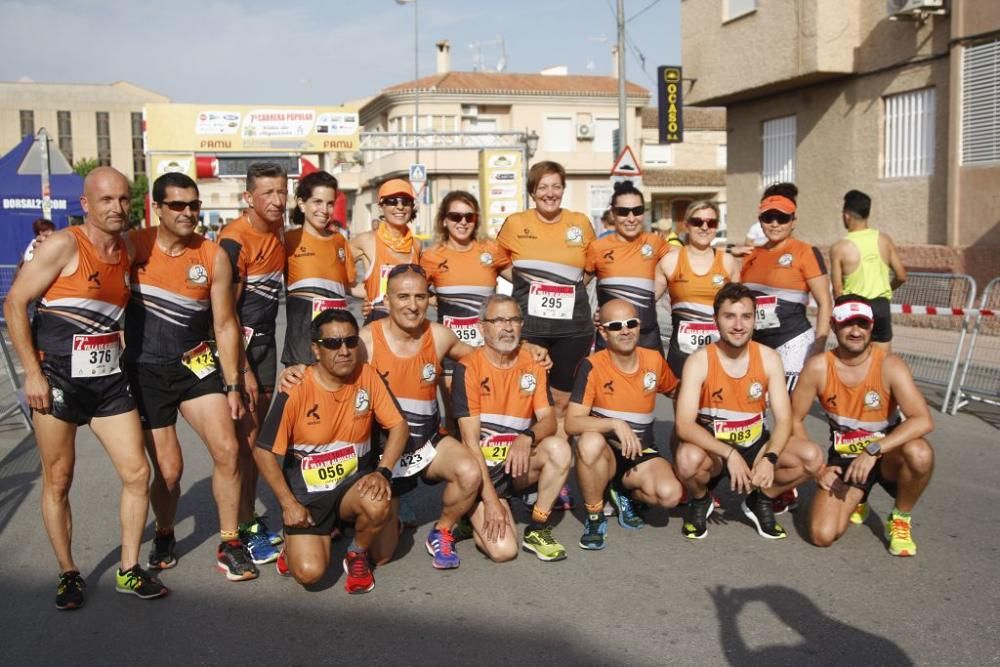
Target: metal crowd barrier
933,348
10,403
7,272
980,377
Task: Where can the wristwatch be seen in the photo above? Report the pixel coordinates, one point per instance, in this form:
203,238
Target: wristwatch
385,472
231,388
874,449
772,457
531,434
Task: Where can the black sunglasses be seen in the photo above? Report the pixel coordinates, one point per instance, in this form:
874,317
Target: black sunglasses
618,325
623,211
397,201
179,206
455,216
713,223
400,269
335,343
775,216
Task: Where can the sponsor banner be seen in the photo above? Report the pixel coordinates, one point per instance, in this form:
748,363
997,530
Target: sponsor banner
670,98
501,185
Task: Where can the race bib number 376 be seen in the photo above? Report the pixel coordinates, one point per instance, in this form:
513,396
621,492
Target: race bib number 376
95,355
552,302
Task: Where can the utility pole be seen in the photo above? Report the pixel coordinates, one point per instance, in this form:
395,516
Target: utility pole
43,144
622,111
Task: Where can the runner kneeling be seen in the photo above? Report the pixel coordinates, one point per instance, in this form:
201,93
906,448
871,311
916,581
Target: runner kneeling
860,385
505,412
322,427
612,411
722,422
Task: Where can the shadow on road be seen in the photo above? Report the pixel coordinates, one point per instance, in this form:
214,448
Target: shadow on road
18,472
824,640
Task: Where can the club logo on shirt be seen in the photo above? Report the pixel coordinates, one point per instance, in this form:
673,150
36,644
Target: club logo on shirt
872,399
756,390
312,415
428,374
484,387
609,387
442,266
526,234
528,383
717,395
649,381
341,255
95,278
574,236
609,256
785,260
486,259
361,402
197,275
718,279
646,250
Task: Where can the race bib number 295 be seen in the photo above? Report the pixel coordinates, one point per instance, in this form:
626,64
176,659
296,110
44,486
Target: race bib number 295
552,302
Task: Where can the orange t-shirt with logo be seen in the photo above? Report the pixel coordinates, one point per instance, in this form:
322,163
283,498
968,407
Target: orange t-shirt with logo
734,410
858,414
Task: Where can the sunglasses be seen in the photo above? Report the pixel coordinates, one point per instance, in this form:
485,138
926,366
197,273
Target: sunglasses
623,211
405,202
455,216
775,216
179,206
711,223
618,325
400,269
335,343
504,321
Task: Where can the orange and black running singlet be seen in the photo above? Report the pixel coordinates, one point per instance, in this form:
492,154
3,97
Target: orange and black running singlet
258,259
858,414
734,410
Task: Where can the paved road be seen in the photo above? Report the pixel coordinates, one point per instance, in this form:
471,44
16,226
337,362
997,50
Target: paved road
650,598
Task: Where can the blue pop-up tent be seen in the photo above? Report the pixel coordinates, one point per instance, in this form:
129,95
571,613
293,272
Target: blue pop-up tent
21,195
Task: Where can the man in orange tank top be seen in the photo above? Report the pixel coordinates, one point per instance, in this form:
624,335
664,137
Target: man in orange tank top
73,375
722,422
859,385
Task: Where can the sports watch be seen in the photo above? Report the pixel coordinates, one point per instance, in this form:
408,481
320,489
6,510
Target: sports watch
874,449
385,472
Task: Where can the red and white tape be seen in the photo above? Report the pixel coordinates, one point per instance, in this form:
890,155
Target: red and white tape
909,309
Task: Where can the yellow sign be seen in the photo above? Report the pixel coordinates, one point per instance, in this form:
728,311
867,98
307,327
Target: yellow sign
222,128
501,186
164,164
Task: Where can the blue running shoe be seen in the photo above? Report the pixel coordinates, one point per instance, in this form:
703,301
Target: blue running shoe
441,545
258,526
594,530
260,547
627,516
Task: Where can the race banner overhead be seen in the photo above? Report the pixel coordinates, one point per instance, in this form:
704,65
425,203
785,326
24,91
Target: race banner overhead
223,128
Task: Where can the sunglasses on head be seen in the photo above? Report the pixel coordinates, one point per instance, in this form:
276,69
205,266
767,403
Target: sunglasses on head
623,211
711,223
618,325
179,206
455,216
400,269
405,202
775,216
335,343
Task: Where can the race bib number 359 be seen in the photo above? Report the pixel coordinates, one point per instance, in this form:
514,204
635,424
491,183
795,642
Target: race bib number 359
552,302
466,328
95,355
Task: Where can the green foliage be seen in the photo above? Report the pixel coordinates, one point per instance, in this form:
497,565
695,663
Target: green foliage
140,188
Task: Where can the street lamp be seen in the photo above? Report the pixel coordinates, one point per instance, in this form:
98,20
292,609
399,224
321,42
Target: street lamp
416,75
531,143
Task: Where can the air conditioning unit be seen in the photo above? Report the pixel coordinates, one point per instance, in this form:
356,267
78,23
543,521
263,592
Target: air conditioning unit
901,8
470,110
585,131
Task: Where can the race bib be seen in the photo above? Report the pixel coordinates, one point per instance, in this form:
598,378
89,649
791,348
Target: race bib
383,282
741,433
496,447
410,463
692,336
466,328
767,313
95,355
319,304
325,471
199,360
247,336
851,443
553,302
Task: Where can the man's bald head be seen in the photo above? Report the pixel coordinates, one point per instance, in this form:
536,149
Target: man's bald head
103,178
617,309
619,337
107,199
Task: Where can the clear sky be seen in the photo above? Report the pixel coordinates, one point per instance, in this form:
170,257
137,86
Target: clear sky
316,51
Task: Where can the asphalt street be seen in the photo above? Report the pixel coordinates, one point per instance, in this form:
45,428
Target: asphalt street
650,598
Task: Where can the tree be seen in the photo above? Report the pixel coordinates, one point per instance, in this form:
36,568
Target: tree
85,165
140,188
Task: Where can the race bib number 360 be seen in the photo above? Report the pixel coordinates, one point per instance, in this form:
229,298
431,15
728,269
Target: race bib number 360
851,443
741,433
767,313
466,328
325,471
692,336
95,355
496,447
319,304
553,302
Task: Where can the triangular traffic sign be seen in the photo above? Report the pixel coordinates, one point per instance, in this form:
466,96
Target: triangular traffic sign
626,164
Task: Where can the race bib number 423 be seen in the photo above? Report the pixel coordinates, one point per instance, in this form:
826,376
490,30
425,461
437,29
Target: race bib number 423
95,355
740,433
466,329
410,463
553,302
692,336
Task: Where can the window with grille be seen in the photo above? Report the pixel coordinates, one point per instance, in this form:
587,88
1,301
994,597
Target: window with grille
138,159
103,139
778,139
27,122
909,134
981,103
65,122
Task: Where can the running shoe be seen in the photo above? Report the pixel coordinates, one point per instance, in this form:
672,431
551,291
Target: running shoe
529,498
162,556
407,515
69,593
260,547
759,509
462,530
594,529
140,583
281,565
542,544
696,518
233,558
786,502
441,546
359,573
609,509
564,501
258,526
627,516
860,514
897,531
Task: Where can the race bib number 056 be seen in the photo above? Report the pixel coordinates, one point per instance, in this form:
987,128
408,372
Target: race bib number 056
553,302
95,355
466,329
323,472
692,336
741,433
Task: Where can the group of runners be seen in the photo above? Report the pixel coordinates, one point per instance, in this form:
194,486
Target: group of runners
132,328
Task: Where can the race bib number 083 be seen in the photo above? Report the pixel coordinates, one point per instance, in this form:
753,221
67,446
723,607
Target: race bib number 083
740,433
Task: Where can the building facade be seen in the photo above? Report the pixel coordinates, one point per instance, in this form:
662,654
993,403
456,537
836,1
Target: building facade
846,94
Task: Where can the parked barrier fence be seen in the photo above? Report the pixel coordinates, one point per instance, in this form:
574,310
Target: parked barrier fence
980,375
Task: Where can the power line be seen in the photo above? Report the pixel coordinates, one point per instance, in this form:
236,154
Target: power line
642,11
